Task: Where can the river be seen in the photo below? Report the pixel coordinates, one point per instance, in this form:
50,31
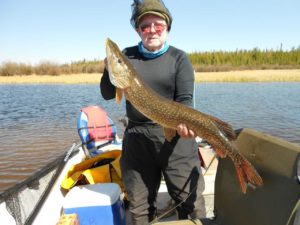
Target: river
38,122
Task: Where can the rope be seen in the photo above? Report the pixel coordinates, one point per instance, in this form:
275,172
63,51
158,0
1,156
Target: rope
297,206
170,210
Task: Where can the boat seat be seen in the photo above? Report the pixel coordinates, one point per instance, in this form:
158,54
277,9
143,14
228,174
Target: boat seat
277,161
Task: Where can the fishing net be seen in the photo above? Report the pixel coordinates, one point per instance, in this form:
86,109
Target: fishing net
22,203
24,200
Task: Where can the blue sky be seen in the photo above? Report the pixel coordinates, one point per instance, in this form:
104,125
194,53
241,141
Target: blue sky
63,31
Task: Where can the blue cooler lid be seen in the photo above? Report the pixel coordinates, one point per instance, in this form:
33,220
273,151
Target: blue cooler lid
101,194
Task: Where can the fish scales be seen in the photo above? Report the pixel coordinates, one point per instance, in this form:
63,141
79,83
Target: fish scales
169,114
166,113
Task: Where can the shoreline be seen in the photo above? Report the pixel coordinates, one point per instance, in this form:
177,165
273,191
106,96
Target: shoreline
228,76
250,76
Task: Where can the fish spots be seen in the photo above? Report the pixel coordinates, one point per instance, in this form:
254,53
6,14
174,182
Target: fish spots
137,82
223,136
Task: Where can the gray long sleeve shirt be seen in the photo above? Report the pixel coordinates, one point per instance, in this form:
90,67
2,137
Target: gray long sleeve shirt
171,75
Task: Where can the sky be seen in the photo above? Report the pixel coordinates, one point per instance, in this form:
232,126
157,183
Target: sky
64,31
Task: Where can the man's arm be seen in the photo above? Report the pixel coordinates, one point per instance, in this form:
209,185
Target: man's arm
184,91
108,90
185,79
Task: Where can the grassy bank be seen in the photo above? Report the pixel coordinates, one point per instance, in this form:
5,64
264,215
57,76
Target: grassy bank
250,76
230,76
81,78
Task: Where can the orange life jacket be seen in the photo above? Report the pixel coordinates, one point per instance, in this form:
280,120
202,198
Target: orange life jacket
99,126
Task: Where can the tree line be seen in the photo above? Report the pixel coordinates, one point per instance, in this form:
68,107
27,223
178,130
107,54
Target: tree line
245,60
201,61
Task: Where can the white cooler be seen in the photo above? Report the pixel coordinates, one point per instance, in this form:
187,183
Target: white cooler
96,204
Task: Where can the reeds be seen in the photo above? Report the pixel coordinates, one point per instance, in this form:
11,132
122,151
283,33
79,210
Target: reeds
249,76
82,78
11,69
51,68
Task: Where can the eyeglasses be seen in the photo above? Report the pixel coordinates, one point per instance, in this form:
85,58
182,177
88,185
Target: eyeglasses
158,27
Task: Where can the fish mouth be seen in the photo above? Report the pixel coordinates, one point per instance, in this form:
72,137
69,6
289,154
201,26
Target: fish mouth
107,41
108,46
114,65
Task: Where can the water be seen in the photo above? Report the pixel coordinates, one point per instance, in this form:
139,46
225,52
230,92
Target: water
273,108
38,122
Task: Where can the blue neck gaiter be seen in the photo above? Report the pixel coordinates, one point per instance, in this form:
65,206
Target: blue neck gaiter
151,55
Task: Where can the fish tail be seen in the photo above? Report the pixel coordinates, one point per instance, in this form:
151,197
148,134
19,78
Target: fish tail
247,173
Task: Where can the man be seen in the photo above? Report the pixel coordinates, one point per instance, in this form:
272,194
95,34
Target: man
146,154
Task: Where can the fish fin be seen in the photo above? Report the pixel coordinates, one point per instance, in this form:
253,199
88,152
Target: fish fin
247,173
242,178
169,134
119,95
251,173
224,127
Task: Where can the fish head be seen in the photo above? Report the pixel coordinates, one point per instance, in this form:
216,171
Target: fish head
118,66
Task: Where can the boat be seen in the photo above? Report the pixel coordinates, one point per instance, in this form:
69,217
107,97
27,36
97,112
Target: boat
41,200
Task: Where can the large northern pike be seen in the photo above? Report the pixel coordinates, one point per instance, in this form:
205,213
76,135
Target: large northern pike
170,114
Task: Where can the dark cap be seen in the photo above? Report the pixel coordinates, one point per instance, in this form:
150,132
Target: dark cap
155,7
